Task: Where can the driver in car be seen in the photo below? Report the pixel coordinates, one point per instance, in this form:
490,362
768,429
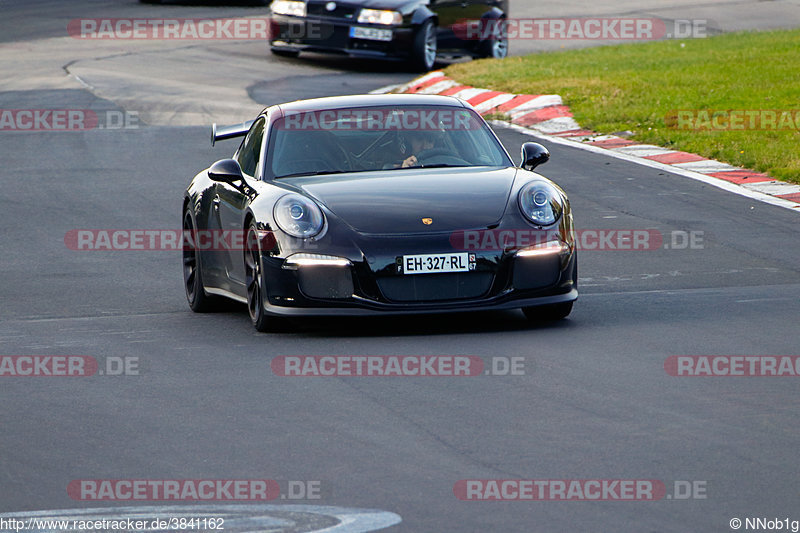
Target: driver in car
419,143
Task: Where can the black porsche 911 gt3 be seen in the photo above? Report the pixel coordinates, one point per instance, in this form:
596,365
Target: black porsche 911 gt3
412,30
376,204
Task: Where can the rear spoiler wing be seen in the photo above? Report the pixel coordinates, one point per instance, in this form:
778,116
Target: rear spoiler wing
229,132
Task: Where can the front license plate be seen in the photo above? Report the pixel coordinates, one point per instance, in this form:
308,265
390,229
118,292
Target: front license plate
436,263
372,34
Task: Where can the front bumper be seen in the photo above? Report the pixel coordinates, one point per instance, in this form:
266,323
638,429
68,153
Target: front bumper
364,308
332,35
372,284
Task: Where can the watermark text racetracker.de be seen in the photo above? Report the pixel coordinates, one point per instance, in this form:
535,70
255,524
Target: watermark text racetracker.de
162,240
733,119
584,28
396,366
67,366
469,240
381,119
578,490
585,239
244,490
66,120
733,365
169,29
261,29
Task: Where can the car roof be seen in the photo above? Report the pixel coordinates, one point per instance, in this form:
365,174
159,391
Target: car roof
371,100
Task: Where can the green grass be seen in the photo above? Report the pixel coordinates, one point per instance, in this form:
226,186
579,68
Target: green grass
635,87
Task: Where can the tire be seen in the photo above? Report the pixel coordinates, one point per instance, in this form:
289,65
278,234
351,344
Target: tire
423,52
199,300
548,313
284,53
495,47
254,279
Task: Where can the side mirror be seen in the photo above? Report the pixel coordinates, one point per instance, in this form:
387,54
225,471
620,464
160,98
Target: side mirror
533,155
227,170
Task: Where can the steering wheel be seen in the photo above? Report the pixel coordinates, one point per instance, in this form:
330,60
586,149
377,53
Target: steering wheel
306,165
347,162
439,156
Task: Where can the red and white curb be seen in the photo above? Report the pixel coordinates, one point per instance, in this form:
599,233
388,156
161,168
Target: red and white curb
547,117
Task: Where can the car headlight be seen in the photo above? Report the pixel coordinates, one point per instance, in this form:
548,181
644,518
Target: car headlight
288,7
379,16
541,203
298,216
303,259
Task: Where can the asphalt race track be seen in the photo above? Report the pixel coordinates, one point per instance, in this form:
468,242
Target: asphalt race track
594,400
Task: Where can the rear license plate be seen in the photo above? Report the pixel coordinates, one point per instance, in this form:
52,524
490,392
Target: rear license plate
437,263
372,34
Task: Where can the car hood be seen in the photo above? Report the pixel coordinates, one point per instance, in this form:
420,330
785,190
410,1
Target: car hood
397,201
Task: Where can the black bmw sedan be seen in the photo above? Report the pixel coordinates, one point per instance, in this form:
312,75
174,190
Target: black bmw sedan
381,204
411,30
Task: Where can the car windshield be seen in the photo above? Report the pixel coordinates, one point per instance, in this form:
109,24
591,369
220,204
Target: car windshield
380,138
